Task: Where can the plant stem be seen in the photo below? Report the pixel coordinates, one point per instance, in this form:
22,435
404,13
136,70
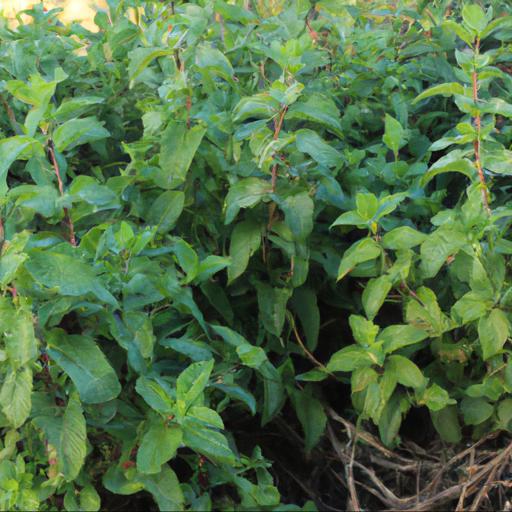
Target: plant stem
55,165
189,106
277,129
278,124
12,117
477,143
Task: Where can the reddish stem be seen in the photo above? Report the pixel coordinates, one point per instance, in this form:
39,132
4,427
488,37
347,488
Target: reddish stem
278,124
220,21
189,106
477,144
312,33
277,130
72,238
11,116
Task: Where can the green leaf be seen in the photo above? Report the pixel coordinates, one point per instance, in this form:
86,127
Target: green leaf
395,337
311,415
403,237
491,387
445,142
192,381
361,378
393,134
207,441
460,31
366,249
273,385
140,58
351,358
218,298
245,241
178,148
493,331
37,92
76,132
502,22
375,294
471,306
367,206
236,392
89,499
206,416
245,193
405,371
257,106
158,445
210,266
68,275
390,420
155,395
16,148
15,396
272,307
85,364
318,109
497,106
214,61
20,340
230,336
304,303
41,199
310,142
195,350
476,410
436,249
435,398
273,392
312,376
72,108
251,356
424,312
363,330
450,163
448,89
12,257
474,17
115,481
446,422
388,204
351,218
165,489
298,211
187,259
166,210
504,413
72,448
373,402
499,161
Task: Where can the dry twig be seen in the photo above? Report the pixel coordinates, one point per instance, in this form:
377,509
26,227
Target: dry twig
483,469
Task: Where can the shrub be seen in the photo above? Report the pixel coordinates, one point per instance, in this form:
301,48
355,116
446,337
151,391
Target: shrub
212,210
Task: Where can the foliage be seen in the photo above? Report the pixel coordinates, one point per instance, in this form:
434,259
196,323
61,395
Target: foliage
210,210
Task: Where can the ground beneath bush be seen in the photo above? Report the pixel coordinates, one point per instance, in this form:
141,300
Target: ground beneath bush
354,471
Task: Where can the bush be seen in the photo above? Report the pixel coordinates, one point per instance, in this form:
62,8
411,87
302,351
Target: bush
215,214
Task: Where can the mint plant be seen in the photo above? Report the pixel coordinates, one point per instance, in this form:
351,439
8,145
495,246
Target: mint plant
213,214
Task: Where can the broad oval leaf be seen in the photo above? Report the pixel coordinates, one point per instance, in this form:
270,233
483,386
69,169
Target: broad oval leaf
84,362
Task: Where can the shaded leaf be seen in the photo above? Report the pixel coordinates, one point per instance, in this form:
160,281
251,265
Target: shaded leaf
84,362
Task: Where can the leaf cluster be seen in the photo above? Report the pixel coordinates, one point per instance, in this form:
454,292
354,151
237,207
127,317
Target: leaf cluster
209,210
